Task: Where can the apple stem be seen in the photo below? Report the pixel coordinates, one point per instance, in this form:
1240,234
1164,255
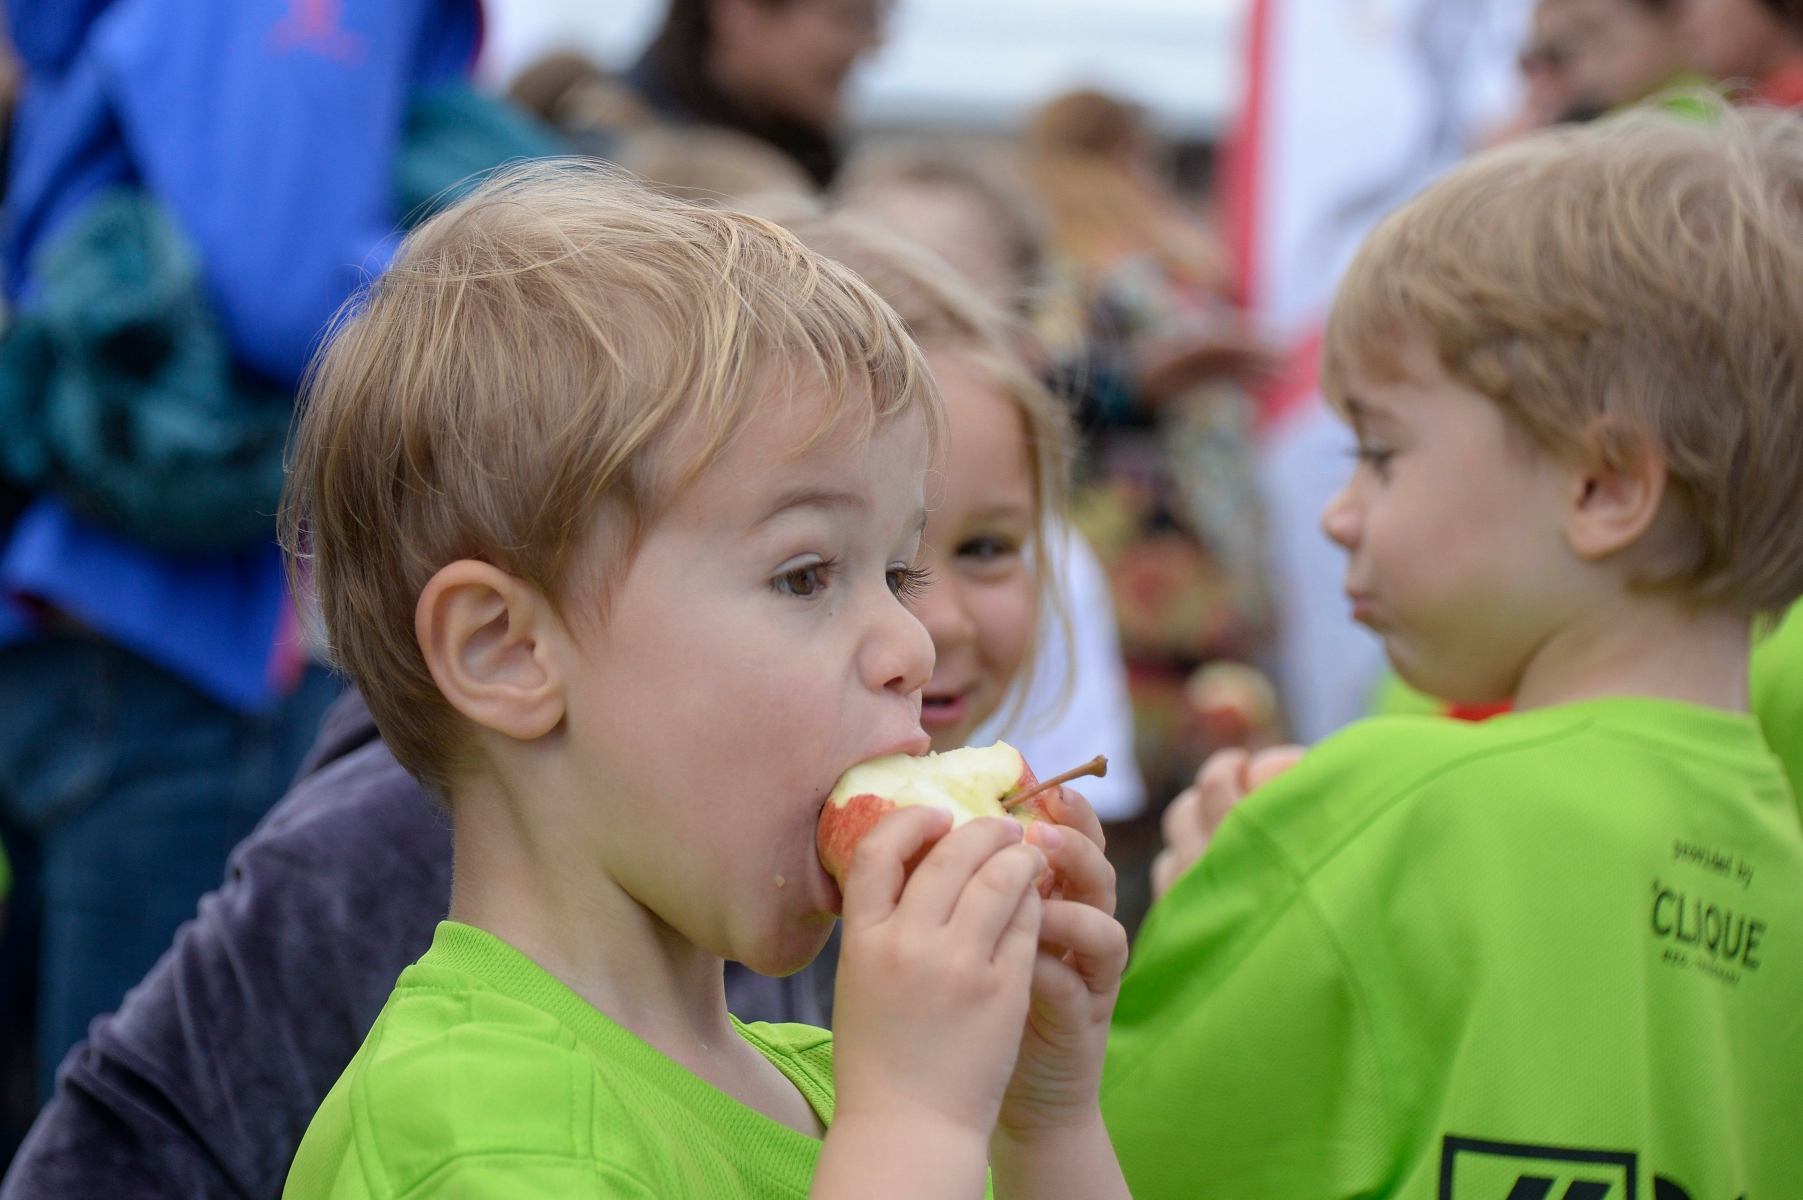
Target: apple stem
1095,766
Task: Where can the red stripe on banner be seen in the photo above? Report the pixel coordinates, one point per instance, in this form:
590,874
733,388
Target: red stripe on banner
1241,184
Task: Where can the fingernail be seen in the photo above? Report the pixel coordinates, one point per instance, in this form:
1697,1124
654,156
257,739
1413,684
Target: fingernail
1050,837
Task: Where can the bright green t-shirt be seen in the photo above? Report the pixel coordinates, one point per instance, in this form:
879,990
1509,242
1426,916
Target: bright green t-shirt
1449,961
1776,678
484,1076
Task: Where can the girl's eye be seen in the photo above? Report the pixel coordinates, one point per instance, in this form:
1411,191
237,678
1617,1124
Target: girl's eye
1378,456
803,581
907,583
986,549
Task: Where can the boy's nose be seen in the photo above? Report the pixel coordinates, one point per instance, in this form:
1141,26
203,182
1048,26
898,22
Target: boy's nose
898,655
1340,518
940,608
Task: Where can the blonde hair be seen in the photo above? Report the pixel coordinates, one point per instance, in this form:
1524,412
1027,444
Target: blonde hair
942,311
532,360
1636,282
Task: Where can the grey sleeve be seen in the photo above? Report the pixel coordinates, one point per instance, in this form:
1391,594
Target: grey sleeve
202,1084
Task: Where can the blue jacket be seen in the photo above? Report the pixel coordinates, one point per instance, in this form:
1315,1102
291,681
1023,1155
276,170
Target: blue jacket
270,129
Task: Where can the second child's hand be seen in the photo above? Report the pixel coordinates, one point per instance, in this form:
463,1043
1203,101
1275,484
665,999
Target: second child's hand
1191,820
934,979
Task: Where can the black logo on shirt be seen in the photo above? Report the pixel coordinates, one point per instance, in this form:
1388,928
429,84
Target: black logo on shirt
1472,1169
1715,938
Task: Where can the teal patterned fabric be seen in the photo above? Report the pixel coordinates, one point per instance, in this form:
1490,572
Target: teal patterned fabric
119,392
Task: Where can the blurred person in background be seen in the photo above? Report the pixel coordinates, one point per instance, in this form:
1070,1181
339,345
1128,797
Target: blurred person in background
1134,313
1755,42
977,217
765,75
196,187
1546,92
772,69
961,200
603,116
1613,53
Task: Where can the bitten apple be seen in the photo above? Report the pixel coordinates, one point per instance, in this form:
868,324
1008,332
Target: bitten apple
969,783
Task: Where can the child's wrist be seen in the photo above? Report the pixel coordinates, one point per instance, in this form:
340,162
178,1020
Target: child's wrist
915,1145
1046,1129
1075,1159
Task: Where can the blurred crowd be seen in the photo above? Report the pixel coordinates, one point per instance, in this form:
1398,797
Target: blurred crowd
156,695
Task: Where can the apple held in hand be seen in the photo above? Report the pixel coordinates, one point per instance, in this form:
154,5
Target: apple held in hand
990,781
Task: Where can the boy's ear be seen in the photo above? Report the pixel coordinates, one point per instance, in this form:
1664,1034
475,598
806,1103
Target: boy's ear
1615,500
490,641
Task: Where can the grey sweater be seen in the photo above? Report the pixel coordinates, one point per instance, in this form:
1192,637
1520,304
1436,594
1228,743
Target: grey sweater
203,1082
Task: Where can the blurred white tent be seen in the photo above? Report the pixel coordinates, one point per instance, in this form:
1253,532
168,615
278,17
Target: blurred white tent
964,63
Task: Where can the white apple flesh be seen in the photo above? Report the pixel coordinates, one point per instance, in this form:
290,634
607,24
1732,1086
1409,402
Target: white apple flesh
968,783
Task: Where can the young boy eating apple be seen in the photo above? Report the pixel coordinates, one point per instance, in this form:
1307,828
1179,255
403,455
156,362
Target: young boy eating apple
612,504
1558,953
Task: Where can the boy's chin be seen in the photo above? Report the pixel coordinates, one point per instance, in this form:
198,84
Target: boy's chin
790,950
1462,688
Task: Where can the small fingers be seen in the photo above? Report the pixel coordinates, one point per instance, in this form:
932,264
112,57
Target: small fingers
1082,872
1018,946
991,902
1267,765
1092,941
1182,821
933,892
879,866
1069,808
1167,868
1220,785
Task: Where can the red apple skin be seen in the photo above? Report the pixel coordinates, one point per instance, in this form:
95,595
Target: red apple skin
842,826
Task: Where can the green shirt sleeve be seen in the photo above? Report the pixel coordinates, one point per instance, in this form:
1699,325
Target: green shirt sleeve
1241,1062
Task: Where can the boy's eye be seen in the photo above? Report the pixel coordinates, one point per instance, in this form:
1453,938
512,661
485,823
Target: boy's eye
907,583
809,580
1378,456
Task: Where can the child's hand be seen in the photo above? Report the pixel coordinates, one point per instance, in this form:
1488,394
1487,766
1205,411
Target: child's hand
933,984
1049,1137
1191,820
